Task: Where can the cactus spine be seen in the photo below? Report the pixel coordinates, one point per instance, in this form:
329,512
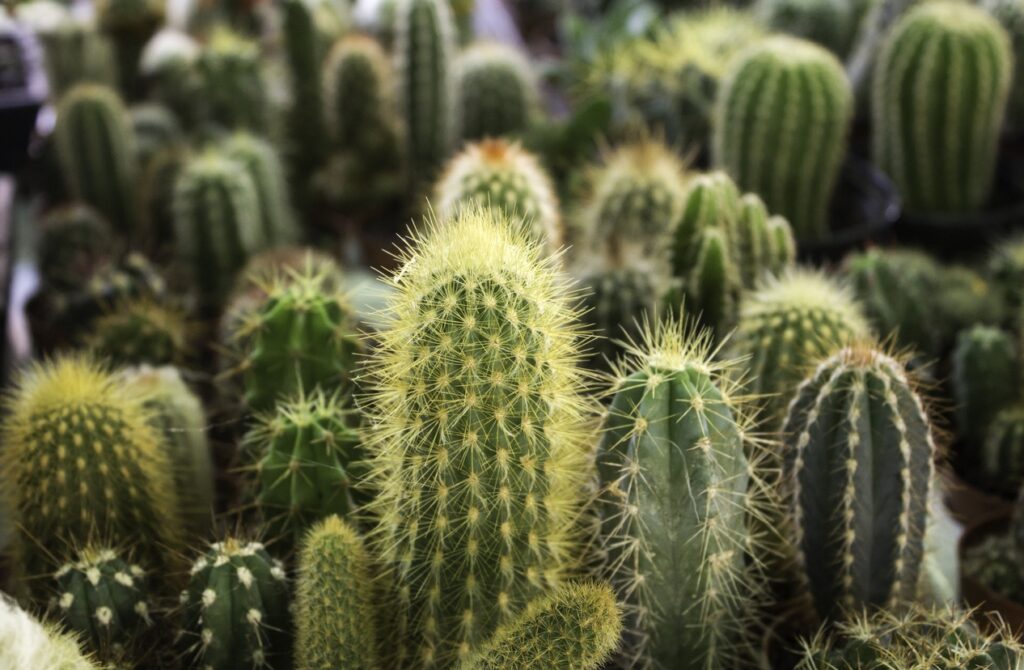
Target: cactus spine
577,627
480,436
236,608
939,95
985,379
96,148
139,331
497,92
790,158
260,160
1002,453
675,504
858,468
334,603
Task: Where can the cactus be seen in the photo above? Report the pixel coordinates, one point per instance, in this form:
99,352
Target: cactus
176,412
764,244
499,173
995,564
498,94
139,331
424,50
96,148
713,285
129,24
1017,523
858,466
791,160
480,436
309,454
964,298
710,201
103,598
985,379
577,627
825,22
156,196
334,601
1010,15
169,67
75,52
230,83
156,129
216,220
1006,272
27,643
1002,452
786,328
675,504
260,160
74,242
82,465
236,608
943,74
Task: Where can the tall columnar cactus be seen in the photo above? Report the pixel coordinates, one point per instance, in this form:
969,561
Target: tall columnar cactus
236,608
177,413
139,331
216,220
335,601
792,158
480,436
308,455
27,643
82,465
830,23
858,466
497,91
1002,452
985,379
230,83
710,201
713,284
503,175
359,100
577,627
74,242
1010,15
424,53
939,95
786,328
675,503
129,24
261,162
96,148
103,598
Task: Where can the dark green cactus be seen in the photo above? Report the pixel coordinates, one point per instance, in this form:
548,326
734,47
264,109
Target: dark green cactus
231,89
139,331
75,52
943,74
236,608
985,377
827,22
710,201
1006,271
359,102
156,196
335,603
1010,15
74,243
858,467
714,283
763,244
261,162
156,128
498,94
1002,452
129,24
962,299
995,563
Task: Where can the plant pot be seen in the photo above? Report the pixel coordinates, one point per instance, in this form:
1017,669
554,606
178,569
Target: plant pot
967,503
978,596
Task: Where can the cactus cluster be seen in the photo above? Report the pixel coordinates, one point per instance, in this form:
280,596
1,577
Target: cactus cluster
139,331
498,95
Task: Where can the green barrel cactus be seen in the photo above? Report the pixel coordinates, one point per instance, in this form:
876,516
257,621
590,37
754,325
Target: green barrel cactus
790,158
1010,15
74,242
938,100
103,598
858,467
139,331
129,24
27,643
261,162
577,627
498,93
96,148
236,608
424,53
335,603
231,90
829,23
1002,452
985,379
675,503
786,328
501,174
82,465
308,455
480,436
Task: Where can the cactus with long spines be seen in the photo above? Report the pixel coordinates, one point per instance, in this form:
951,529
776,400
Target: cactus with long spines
857,470
1010,15
82,465
230,85
480,435
96,148
577,628
74,242
261,162
501,174
675,503
938,100
139,331
986,377
236,612
424,52
498,93
790,159
27,643
102,597
826,22
1002,452
335,603
787,327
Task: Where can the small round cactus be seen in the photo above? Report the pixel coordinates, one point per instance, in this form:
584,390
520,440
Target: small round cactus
498,94
986,374
261,162
139,331
1002,452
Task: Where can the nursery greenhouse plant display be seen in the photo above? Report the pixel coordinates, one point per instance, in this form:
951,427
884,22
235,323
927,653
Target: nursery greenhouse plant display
512,334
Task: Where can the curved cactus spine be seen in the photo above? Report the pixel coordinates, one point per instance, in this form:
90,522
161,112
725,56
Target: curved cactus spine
939,95
502,174
236,608
1002,452
139,331
82,465
481,427
359,103
334,601
577,627
261,162
424,50
27,643
985,379
858,467
74,242
791,159
96,148
103,598
497,91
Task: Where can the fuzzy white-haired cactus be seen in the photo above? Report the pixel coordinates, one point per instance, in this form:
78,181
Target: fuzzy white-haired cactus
27,643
